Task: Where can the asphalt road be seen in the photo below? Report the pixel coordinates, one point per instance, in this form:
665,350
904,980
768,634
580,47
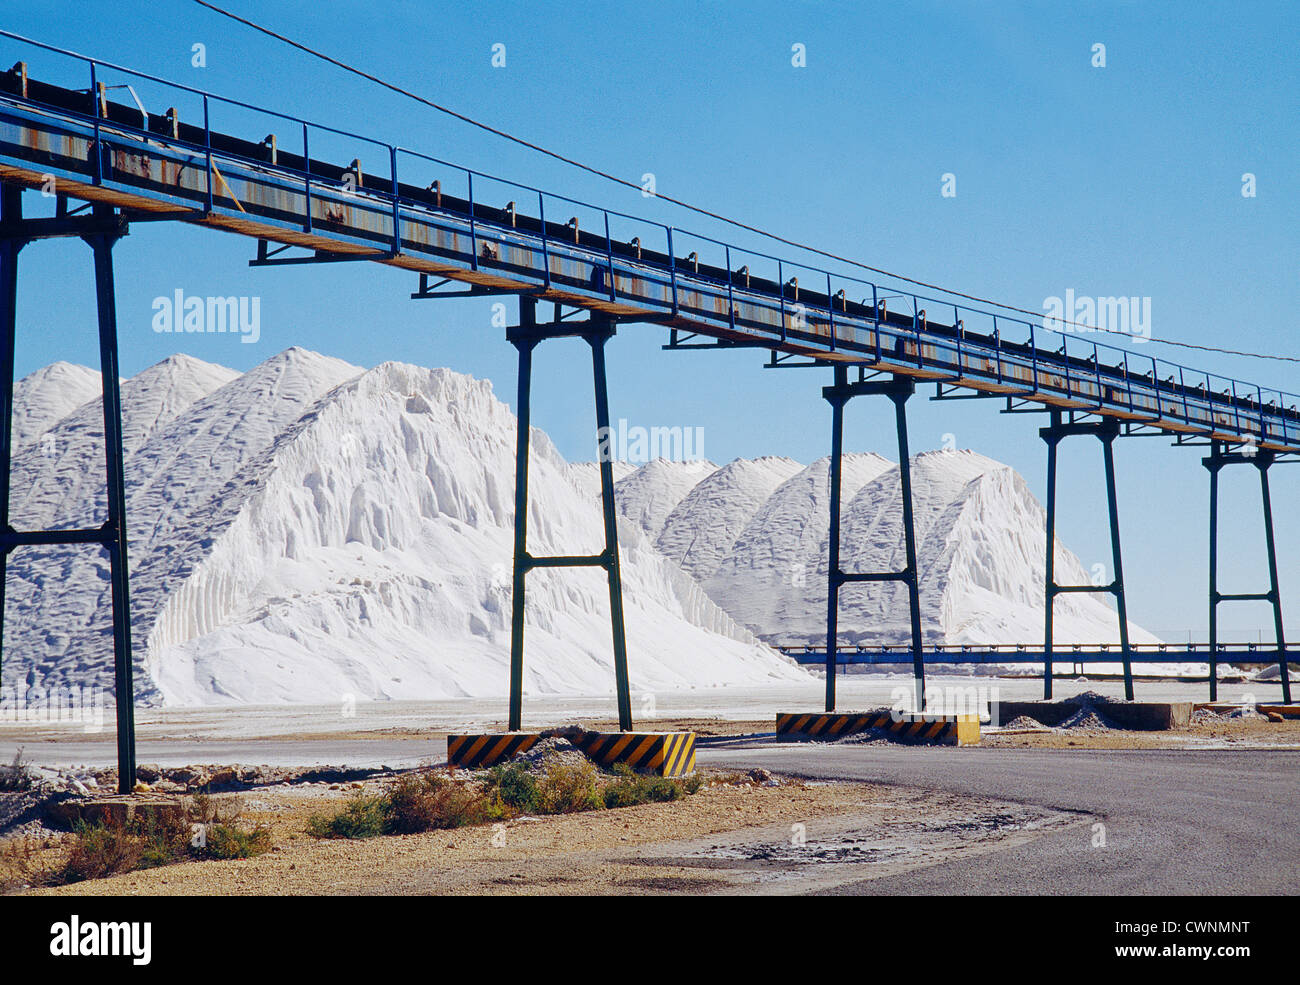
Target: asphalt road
1176,822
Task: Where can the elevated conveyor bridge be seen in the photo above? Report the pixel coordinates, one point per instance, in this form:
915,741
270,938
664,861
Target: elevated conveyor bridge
92,140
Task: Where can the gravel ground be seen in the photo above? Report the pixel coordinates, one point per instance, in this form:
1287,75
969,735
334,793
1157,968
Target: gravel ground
732,837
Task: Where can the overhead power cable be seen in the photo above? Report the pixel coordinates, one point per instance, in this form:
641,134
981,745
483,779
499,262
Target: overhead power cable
699,210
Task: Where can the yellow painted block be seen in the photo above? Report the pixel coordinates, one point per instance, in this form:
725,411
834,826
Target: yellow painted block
968,730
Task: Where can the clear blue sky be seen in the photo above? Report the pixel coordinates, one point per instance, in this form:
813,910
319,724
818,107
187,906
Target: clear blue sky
1123,180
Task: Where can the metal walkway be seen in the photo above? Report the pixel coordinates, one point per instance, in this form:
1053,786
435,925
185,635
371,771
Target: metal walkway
158,166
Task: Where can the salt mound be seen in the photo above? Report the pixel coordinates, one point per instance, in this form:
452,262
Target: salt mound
1090,715
553,750
1024,722
310,532
980,552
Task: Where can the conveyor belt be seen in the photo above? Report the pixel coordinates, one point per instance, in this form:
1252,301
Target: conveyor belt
157,166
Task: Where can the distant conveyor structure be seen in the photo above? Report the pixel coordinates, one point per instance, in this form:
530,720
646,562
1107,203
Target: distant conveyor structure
421,213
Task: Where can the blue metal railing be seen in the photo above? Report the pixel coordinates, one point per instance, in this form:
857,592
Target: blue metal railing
965,653
1169,394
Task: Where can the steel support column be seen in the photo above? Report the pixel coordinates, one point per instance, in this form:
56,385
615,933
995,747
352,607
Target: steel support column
1106,431
525,337
99,231
837,398
605,450
1049,597
10,212
837,395
101,245
912,573
1262,460
1274,589
523,415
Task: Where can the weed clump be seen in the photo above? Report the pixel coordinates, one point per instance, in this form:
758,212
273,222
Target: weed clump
513,787
435,801
569,788
201,830
100,850
629,788
415,804
360,817
226,841
15,775
432,802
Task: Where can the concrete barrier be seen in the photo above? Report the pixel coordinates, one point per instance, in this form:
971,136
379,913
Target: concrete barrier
953,730
477,750
1223,707
1141,716
664,753
115,811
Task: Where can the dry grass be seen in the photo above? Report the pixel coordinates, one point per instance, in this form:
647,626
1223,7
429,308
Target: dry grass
568,789
203,829
15,776
435,801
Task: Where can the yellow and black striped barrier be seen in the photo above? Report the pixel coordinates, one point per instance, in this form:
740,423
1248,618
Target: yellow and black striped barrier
953,730
475,751
665,753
